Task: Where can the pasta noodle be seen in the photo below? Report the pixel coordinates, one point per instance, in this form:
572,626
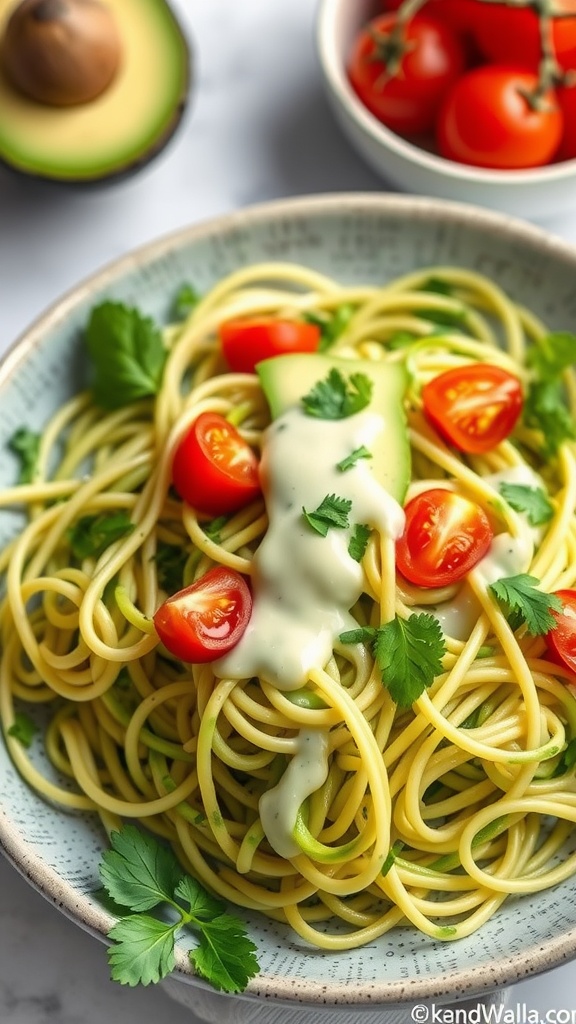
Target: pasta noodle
429,816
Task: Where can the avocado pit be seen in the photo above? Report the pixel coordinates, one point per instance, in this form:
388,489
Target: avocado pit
61,52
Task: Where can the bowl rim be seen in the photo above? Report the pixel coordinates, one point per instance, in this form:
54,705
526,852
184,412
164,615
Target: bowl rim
468,981
333,67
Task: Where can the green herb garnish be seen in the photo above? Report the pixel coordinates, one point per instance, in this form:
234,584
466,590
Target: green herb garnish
359,541
359,453
127,353
185,300
338,397
23,729
91,535
532,501
26,445
332,511
521,600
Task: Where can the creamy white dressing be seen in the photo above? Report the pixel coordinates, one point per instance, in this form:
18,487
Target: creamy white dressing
305,773
304,584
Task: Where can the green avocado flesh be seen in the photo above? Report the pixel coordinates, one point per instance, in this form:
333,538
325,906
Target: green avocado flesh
121,129
287,379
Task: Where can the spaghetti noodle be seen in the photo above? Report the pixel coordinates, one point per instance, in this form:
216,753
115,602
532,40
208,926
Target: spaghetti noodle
430,815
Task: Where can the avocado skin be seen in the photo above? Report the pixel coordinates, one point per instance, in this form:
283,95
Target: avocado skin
62,181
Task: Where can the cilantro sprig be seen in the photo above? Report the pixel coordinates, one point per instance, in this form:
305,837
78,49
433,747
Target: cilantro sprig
524,604
141,874
545,407
532,501
338,397
408,653
127,352
332,511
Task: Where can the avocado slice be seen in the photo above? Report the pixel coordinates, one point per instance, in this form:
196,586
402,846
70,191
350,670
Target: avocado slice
121,129
287,379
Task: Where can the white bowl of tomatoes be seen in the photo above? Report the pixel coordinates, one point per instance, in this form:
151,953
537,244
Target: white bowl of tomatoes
464,99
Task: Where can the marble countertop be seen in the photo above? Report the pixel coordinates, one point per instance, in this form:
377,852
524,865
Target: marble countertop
258,128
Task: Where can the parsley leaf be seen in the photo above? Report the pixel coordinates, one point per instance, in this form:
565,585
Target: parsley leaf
408,653
332,511
91,535
519,596
359,541
26,445
533,501
127,352
23,729
185,300
359,453
140,873
336,397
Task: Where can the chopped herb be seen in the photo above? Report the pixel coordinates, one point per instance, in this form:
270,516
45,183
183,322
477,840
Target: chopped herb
437,285
532,501
337,397
552,355
331,325
91,535
213,528
185,300
332,511
520,598
359,453
141,874
26,445
23,729
359,542
408,653
170,564
128,354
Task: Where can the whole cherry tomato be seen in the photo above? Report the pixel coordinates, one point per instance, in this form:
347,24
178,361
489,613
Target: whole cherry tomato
214,468
511,35
405,92
561,640
207,619
489,119
459,14
567,101
444,537
474,407
247,342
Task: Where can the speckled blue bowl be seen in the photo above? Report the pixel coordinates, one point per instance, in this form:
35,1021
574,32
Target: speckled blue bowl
357,238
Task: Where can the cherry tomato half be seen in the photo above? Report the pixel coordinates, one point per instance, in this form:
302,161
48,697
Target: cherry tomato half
511,35
488,120
405,99
473,407
561,640
247,342
214,468
444,537
207,619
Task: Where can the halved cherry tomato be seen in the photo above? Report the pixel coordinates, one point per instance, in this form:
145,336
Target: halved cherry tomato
561,640
214,468
406,98
444,537
489,119
207,619
247,342
473,407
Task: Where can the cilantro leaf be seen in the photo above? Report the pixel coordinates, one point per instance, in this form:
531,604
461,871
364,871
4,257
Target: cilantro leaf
138,872
203,906
337,397
91,535
225,955
332,511
519,596
359,541
552,354
533,501
331,325
127,352
359,453
408,653
143,950
186,298
23,729
545,410
26,445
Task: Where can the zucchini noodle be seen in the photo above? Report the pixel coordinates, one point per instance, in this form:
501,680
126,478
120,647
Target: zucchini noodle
428,816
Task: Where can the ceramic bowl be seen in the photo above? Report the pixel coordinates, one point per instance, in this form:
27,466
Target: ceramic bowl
536,193
357,239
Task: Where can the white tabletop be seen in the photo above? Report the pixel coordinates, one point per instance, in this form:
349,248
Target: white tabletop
258,128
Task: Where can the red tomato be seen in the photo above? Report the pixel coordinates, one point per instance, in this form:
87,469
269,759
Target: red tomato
405,99
247,342
458,14
561,640
486,120
511,35
207,619
444,537
214,468
567,101
473,407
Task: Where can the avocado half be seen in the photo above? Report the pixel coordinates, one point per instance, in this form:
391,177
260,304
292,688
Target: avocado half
122,129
